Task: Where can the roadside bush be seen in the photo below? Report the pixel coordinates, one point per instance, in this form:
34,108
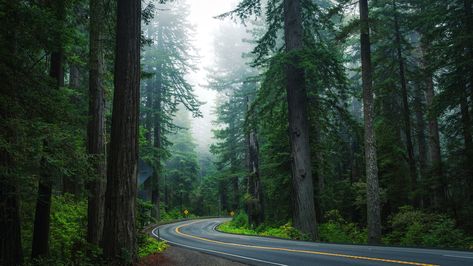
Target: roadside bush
148,246
338,230
410,227
68,245
240,220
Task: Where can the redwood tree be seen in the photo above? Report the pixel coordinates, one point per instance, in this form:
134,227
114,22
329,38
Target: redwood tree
96,126
303,191
119,234
372,183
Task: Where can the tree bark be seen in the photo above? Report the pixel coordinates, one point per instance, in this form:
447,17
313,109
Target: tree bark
40,243
255,206
469,43
420,129
10,231
119,234
372,183
96,126
466,126
303,191
406,110
10,226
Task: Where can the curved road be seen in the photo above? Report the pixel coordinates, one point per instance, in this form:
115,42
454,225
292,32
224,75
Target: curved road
201,235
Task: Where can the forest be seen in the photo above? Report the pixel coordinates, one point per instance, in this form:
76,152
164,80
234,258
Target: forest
339,121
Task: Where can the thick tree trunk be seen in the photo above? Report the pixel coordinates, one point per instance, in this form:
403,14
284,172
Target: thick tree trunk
469,43
40,244
255,207
96,126
469,46
372,183
303,191
437,188
10,227
421,143
406,110
10,231
119,234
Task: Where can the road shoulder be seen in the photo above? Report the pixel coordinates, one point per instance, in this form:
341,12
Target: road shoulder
177,256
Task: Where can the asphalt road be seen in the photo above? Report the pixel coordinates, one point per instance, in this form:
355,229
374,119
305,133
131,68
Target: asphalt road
201,235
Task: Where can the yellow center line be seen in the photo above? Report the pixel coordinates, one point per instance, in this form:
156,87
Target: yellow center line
298,250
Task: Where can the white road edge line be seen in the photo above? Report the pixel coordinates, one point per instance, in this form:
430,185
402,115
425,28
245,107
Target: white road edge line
455,256
218,252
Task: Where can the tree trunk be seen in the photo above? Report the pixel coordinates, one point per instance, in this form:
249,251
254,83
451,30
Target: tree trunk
10,226
69,183
436,189
119,234
223,196
466,124
255,207
155,190
40,244
420,129
303,191
149,113
10,231
406,111
469,43
372,183
96,127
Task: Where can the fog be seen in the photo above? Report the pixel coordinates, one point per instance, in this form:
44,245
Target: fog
206,26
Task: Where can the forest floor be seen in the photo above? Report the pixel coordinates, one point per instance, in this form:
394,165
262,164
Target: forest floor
176,256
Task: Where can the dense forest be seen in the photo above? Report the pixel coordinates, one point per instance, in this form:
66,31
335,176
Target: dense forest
335,120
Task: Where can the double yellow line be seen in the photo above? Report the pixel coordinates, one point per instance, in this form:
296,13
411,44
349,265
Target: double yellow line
178,231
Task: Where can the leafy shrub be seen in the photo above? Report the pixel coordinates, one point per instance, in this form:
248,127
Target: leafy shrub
68,245
284,231
338,230
240,220
410,227
148,246
144,213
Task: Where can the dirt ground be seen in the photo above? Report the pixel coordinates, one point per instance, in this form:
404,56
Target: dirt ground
176,256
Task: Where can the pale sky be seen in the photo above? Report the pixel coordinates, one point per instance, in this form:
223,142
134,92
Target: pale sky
202,13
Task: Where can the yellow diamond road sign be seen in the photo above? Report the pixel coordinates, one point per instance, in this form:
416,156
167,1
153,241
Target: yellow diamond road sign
186,212
232,213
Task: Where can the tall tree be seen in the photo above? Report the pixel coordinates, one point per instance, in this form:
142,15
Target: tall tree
40,244
405,103
303,192
119,234
10,226
96,125
255,205
372,183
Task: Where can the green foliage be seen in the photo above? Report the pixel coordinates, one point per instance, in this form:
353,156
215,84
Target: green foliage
148,246
239,225
144,213
67,241
338,230
240,220
410,227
